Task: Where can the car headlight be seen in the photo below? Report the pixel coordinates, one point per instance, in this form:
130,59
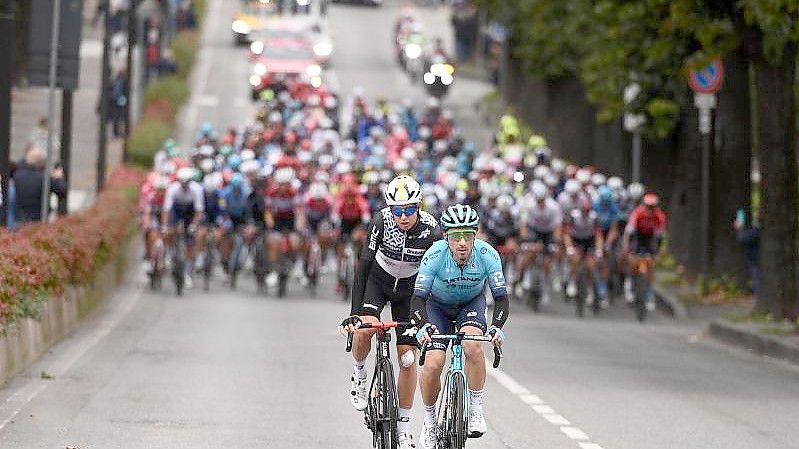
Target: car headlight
429,78
259,69
241,27
323,49
316,82
255,80
447,80
257,47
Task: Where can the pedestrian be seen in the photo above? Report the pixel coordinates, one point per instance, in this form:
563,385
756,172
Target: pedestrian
117,104
12,197
28,179
38,136
748,235
153,50
187,16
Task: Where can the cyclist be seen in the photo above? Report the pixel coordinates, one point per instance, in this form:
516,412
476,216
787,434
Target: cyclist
643,237
236,213
153,203
540,224
398,237
607,211
318,209
467,264
627,204
184,203
350,213
284,212
584,241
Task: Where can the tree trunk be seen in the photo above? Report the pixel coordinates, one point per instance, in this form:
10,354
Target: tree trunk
731,167
570,120
776,106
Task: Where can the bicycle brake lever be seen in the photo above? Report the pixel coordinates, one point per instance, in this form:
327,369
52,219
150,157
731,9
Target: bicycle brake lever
422,355
497,356
349,342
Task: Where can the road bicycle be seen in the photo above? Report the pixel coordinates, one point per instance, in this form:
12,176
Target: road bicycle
177,253
313,264
453,401
382,412
260,261
208,259
157,263
641,285
347,269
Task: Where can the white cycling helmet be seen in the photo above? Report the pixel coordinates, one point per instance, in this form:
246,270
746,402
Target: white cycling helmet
504,203
402,190
207,165
284,175
247,155
558,166
551,180
540,172
540,191
317,190
162,182
636,191
583,176
572,187
343,167
185,174
598,179
401,165
615,183
212,181
250,166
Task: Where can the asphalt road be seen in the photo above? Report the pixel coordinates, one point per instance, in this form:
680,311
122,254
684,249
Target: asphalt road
234,369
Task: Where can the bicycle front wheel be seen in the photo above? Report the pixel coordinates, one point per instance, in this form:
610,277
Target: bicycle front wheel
457,413
387,410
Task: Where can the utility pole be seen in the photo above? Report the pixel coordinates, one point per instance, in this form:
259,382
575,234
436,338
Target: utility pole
48,164
66,147
132,41
102,145
7,65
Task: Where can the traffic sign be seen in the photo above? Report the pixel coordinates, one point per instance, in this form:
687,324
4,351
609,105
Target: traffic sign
709,79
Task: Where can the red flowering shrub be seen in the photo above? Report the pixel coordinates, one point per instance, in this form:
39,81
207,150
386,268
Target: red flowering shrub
40,260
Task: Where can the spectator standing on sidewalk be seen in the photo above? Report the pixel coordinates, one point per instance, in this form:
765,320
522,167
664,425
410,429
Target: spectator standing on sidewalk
12,198
117,104
187,16
28,184
38,136
748,236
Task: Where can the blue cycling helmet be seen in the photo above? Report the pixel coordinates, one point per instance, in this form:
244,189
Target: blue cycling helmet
207,128
605,194
237,181
234,161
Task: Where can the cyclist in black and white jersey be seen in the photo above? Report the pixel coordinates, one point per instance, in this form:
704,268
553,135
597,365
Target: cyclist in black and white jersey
398,237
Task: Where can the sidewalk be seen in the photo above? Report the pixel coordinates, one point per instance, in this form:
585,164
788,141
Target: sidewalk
29,104
760,338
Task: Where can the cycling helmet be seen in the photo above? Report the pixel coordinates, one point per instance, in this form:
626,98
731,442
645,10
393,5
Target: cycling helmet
540,191
551,180
433,103
212,182
459,216
250,166
247,155
225,150
583,176
317,191
605,194
615,183
424,132
162,182
207,165
401,165
284,175
206,151
234,161
440,146
536,141
185,174
572,187
402,190
343,167
490,189
558,166
651,199
237,181
207,128
504,203
598,179
540,172
635,190
409,154
543,153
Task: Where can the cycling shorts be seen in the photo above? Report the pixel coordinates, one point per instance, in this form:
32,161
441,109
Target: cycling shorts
450,319
317,224
347,226
284,224
546,238
584,245
181,216
380,289
644,245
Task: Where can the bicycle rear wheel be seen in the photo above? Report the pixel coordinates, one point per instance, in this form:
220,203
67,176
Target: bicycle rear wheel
387,410
639,288
178,268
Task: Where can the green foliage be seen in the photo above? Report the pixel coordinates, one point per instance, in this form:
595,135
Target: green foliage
145,140
172,88
779,22
185,47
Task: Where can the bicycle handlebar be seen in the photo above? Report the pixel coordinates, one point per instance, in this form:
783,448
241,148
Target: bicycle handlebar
497,349
376,325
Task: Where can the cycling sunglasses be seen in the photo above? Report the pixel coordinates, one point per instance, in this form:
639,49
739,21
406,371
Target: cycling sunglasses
399,211
456,236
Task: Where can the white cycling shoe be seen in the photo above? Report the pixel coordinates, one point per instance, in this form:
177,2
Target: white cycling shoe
477,423
571,289
358,393
405,441
427,440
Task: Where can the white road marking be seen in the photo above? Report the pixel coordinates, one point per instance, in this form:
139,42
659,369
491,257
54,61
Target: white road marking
574,433
208,101
590,446
240,102
537,404
91,48
28,391
557,420
543,409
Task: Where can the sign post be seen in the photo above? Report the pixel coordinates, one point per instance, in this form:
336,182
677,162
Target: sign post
632,124
705,83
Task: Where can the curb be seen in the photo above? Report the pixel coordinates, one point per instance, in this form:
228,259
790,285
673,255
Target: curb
669,303
765,345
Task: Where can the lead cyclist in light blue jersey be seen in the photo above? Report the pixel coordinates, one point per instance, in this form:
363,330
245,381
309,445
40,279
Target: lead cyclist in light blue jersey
448,297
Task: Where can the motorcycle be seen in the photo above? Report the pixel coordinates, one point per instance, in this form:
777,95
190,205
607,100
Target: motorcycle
438,78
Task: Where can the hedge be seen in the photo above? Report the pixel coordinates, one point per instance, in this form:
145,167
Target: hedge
42,259
145,139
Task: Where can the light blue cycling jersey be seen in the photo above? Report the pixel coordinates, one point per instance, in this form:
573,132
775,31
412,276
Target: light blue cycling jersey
451,284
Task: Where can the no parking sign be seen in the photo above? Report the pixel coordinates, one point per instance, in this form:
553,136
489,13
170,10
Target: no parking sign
707,80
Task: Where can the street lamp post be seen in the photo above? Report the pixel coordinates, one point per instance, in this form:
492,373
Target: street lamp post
8,43
48,165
